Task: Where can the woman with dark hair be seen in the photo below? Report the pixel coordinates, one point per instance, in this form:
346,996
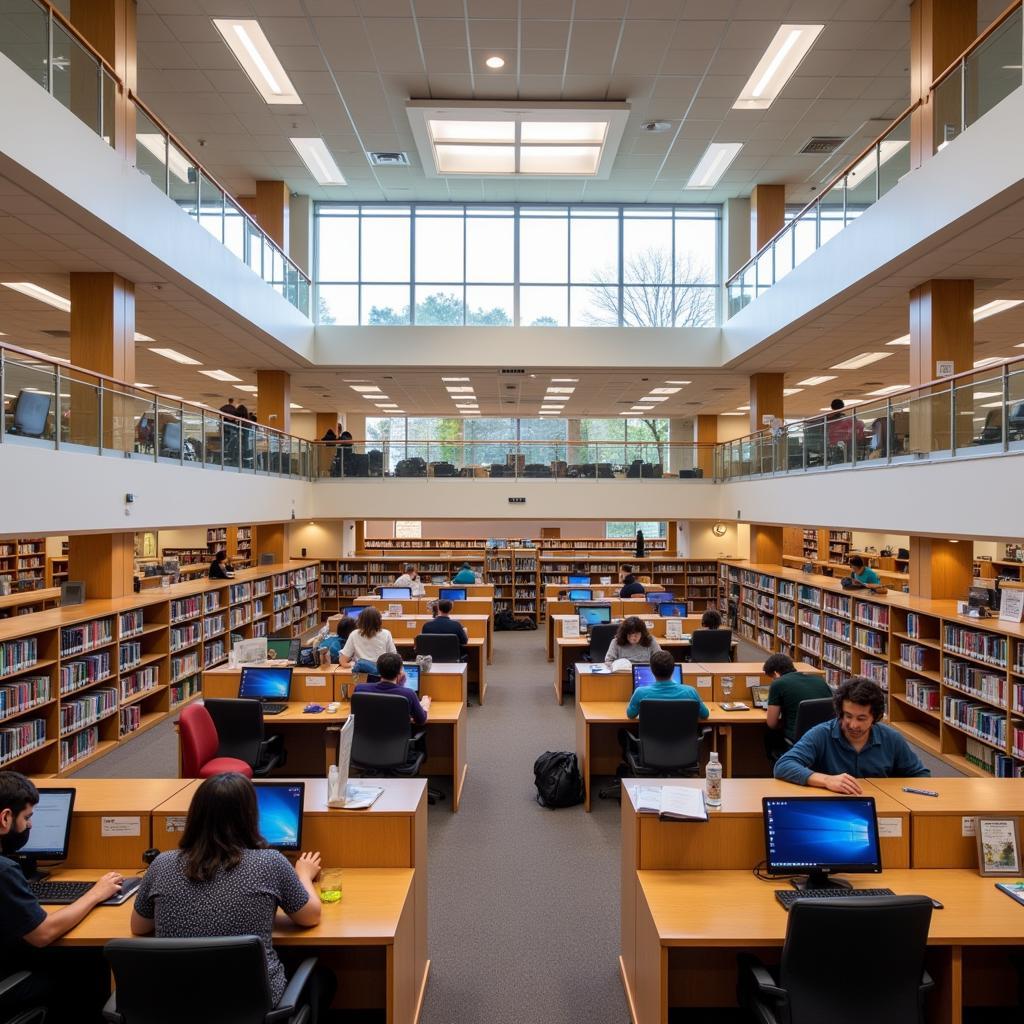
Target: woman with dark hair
366,643
633,642
334,644
222,880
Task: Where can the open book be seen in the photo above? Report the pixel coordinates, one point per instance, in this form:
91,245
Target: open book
672,803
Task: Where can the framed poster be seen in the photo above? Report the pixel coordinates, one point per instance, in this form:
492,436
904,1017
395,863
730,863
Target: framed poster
1011,604
998,846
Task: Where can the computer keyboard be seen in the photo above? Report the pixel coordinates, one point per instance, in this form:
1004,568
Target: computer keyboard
274,709
787,897
67,892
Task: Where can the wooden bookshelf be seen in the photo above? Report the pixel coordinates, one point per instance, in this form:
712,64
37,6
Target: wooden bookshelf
23,562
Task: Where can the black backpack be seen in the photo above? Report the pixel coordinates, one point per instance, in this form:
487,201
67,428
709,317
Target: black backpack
558,779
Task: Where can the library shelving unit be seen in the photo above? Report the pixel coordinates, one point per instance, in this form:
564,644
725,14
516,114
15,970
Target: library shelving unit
187,556
810,545
216,540
76,681
23,561
839,544
954,684
235,540
513,571
56,570
424,545
618,545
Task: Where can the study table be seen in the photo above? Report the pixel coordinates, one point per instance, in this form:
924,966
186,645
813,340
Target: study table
620,608
420,606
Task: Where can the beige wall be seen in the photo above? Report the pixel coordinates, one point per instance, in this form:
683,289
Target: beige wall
697,540
732,427
321,539
484,528
190,537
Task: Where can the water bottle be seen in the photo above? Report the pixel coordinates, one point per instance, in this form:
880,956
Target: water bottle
713,781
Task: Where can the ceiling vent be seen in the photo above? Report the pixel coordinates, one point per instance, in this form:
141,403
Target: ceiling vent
382,159
822,144
507,371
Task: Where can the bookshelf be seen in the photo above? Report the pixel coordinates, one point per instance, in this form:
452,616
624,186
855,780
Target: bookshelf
23,562
77,681
235,540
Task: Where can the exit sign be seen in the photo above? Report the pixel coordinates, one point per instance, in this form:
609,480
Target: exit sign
517,501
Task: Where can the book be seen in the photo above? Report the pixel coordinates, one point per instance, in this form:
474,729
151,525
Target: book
734,705
672,803
1015,890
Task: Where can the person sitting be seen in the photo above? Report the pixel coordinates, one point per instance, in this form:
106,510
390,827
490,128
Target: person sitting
842,428
73,988
464,576
335,643
220,567
854,744
444,623
366,643
392,675
222,881
631,587
411,578
633,642
788,688
664,687
862,573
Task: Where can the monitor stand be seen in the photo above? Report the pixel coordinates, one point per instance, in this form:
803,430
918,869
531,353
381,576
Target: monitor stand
820,880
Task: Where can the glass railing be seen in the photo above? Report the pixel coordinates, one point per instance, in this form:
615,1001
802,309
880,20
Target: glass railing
980,412
40,41
50,405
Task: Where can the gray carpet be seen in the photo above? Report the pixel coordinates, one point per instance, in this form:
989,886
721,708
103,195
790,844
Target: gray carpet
524,902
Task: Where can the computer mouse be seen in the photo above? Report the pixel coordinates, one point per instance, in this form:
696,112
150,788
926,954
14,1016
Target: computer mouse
313,709
937,904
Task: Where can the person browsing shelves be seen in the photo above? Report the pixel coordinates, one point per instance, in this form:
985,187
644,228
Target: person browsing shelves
392,675
443,623
220,567
411,578
664,687
366,643
464,576
855,744
633,642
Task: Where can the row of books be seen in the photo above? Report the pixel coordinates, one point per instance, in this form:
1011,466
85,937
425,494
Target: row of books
85,636
144,679
837,655
913,655
184,665
21,737
130,719
90,669
26,693
837,604
183,636
213,626
872,614
185,689
214,653
211,601
238,592
90,707
878,671
980,719
983,646
79,746
130,623
923,694
974,679
871,640
185,608
129,654
989,760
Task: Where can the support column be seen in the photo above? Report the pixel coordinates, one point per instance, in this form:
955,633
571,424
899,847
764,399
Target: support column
765,398
940,569
765,544
103,562
300,233
767,214
273,405
940,30
270,208
707,433
735,235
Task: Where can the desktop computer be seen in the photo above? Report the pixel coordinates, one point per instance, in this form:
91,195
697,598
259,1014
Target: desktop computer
581,595
396,593
451,594
353,611
672,609
280,811
266,683
283,649
643,676
594,615
576,581
659,596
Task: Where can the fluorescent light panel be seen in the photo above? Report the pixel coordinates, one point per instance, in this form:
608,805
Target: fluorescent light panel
248,388
175,356
453,380
679,382
317,157
713,164
864,359
791,391
811,382
665,391
364,388
995,306
247,42
902,340
34,291
221,375
554,160
784,54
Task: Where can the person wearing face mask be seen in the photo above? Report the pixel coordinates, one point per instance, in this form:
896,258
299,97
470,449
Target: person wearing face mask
71,985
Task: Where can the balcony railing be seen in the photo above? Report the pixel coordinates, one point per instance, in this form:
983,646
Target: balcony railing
48,48
979,412
987,72
51,405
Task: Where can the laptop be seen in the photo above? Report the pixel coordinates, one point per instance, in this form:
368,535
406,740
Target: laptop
643,676
396,593
267,684
672,609
353,611
412,676
451,594
578,581
280,814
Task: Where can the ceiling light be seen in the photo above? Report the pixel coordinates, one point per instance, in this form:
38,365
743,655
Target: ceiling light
221,375
560,391
454,379
179,164
550,408
985,394
473,131
142,337
665,391
713,164
317,157
654,398
578,160
890,390
642,408
811,382
988,361
355,380
475,159
33,291
733,414
495,62
247,42
568,380
679,382
783,56
364,388
996,306
743,408
178,357
386,405
864,359
563,131
459,390
292,405
902,340
250,388
791,391
375,396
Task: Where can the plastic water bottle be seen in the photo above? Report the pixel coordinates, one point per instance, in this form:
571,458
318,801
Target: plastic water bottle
713,781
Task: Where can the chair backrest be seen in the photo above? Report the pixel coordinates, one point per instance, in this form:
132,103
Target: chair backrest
444,648
382,732
669,733
601,637
166,981
239,725
198,739
810,713
823,933
31,412
714,645
172,437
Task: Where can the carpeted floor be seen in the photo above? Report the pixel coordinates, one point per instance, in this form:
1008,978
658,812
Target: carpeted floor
524,902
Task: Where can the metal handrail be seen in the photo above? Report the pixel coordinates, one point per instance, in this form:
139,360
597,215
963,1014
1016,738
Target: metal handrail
994,27
57,15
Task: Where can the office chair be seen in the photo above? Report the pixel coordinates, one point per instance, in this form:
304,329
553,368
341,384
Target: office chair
669,741
601,637
443,469
170,441
810,713
444,648
203,981
240,730
711,646
384,745
537,469
823,933
32,1015
200,744
31,411
691,474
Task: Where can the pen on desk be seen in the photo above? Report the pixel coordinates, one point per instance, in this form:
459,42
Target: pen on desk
920,792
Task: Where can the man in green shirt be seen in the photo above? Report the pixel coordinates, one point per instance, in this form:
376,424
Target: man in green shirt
787,690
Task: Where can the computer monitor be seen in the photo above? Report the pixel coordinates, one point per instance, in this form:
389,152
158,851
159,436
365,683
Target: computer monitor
643,676
581,595
818,836
672,609
983,597
412,676
280,810
595,614
577,580
396,593
265,682
451,594
50,833
352,611
280,647
659,596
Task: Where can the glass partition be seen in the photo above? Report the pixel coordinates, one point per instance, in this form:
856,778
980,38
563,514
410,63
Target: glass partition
76,82
993,70
24,38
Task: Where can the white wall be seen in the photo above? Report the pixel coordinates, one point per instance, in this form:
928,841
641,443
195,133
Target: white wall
483,528
696,539
323,539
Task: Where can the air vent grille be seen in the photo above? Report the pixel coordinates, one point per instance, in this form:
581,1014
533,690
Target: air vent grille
382,159
822,144
506,371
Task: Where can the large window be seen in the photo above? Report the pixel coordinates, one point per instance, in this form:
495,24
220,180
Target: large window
453,265
628,528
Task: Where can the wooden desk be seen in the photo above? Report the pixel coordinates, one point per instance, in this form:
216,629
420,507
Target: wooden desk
421,606
309,685
620,607
368,939
444,682
691,924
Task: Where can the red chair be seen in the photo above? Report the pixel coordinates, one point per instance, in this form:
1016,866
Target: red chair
199,744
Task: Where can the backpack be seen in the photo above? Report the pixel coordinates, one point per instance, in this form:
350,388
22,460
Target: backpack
558,780
504,620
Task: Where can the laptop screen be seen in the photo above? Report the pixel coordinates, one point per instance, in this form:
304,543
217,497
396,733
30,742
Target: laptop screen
396,593
643,676
595,614
580,595
577,580
51,825
353,610
412,677
280,810
451,594
672,609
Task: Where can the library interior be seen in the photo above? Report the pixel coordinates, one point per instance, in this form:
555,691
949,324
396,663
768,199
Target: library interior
473,544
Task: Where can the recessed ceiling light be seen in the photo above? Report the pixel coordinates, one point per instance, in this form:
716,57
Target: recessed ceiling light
221,375
791,391
33,291
453,380
654,398
292,405
355,380
679,382
554,160
465,159
996,306
713,164
472,131
783,56
565,380
175,356
495,62
364,388
733,414
811,382
890,390
864,359
560,391
249,388
665,391
317,157
386,405
142,337
642,408
459,390
743,408
903,339
988,361
247,42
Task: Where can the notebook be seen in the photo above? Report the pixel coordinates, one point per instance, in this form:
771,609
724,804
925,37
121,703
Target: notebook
672,803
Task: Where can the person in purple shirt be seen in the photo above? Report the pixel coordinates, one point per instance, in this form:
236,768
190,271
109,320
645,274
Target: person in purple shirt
389,668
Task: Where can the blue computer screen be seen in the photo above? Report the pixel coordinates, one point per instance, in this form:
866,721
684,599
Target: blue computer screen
280,807
580,595
658,596
643,676
265,683
596,614
672,609
353,610
811,832
579,579
451,594
396,593
412,677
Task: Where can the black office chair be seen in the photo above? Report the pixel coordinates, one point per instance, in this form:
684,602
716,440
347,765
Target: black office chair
240,730
601,637
712,646
203,981
669,740
810,713
823,933
443,469
170,441
31,1015
444,648
31,411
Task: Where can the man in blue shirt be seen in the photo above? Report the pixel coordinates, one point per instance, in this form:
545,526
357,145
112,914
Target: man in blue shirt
832,755
863,573
445,624
664,687
464,576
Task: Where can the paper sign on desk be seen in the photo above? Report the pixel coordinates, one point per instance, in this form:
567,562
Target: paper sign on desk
570,628
673,629
120,827
175,823
410,623
753,681
890,828
968,826
1011,605
317,681
703,682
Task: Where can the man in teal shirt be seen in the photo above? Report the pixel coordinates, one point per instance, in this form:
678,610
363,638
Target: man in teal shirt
664,687
863,573
465,575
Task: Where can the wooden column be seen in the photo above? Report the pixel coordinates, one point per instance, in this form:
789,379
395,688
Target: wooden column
273,405
940,568
103,562
765,398
707,433
271,538
767,214
360,541
270,209
766,544
940,30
